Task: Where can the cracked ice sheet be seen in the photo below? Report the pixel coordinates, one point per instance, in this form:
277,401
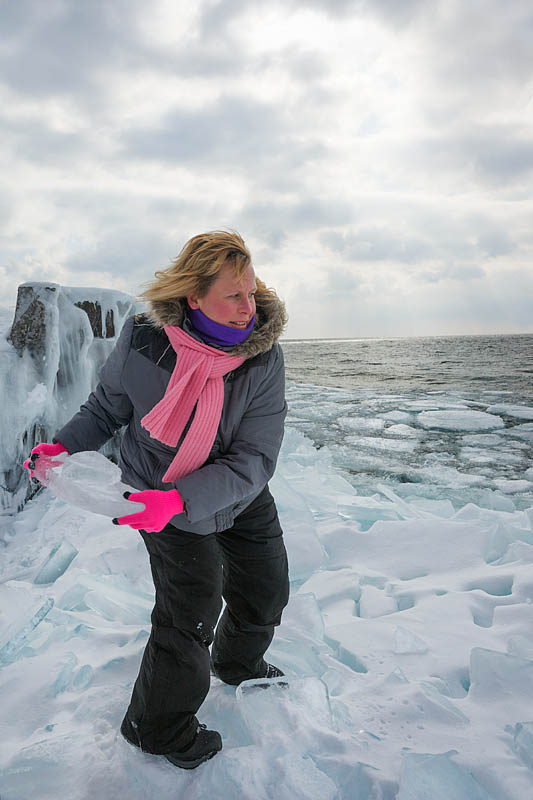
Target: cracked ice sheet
445,602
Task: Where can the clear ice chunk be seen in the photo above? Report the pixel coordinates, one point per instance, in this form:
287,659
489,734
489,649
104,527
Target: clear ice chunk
83,678
436,777
521,646
57,563
374,602
16,637
87,480
405,641
495,674
65,675
523,742
111,597
439,705
299,712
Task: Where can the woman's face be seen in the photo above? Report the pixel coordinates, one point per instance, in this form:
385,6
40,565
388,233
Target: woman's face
228,301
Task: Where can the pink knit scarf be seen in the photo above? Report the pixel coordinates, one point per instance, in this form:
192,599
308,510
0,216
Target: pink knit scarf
196,381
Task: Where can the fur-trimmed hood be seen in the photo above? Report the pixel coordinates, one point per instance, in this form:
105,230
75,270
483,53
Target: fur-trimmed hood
270,319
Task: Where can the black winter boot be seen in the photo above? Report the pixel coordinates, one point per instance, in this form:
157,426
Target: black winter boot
272,671
266,671
203,747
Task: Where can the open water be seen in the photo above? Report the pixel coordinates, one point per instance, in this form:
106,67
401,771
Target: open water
365,403
426,363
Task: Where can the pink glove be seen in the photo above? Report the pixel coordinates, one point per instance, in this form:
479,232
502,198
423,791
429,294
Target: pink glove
161,505
45,452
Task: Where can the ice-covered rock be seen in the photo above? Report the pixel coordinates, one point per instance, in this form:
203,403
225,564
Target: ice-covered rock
59,339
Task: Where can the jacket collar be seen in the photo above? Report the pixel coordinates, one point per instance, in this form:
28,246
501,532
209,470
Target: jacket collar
271,318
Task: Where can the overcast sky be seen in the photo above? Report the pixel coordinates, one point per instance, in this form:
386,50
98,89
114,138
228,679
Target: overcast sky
376,155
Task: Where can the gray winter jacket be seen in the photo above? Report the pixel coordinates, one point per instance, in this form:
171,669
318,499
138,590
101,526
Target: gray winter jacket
246,447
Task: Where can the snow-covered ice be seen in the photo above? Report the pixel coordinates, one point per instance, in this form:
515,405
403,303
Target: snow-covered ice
520,412
463,420
407,645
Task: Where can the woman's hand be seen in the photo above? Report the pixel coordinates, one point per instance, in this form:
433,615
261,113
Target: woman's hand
46,451
160,507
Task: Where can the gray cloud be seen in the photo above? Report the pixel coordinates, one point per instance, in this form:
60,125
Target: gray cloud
454,272
125,251
234,130
497,153
396,14
216,17
355,303
449,243
494,242
386,201
376,244
501,155
303,64
482,44
7,202
391,12
35,141
61,48
276,220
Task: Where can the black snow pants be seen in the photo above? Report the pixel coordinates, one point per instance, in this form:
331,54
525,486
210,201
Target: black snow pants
247,566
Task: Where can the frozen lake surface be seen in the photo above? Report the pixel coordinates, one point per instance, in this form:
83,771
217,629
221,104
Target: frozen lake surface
407,641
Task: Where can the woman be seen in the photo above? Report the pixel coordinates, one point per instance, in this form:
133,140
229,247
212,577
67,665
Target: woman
199,384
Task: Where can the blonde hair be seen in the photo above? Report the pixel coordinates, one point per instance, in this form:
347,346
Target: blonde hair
198,265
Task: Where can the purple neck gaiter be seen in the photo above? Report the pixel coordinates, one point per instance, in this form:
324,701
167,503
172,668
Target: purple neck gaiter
212,332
